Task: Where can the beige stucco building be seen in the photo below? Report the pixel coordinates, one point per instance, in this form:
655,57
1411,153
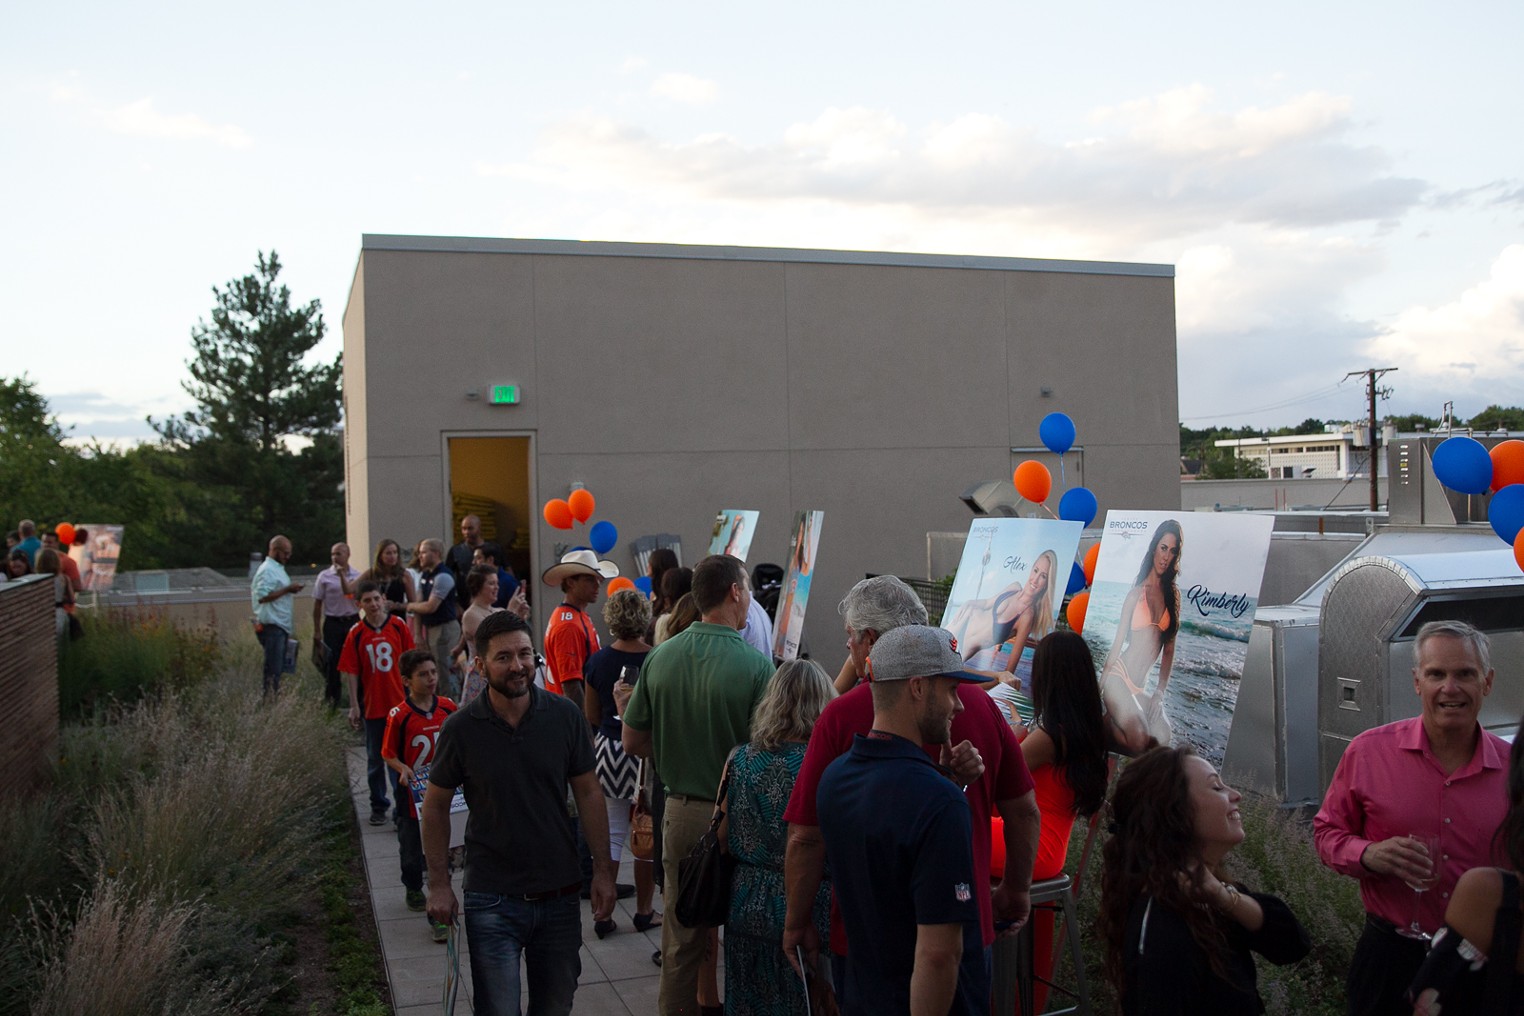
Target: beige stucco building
674,381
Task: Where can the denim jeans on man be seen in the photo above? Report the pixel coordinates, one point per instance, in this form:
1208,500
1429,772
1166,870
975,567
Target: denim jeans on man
547,935
377,774
273,638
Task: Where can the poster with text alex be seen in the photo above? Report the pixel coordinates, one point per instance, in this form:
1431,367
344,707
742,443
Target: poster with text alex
1005,598
1171,610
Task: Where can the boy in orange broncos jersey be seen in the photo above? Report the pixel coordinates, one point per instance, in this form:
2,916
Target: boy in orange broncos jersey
412,729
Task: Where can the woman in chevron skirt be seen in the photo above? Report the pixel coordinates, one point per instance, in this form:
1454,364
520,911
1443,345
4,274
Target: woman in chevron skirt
628,615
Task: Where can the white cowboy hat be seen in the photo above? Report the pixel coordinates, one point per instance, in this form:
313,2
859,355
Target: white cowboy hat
579,562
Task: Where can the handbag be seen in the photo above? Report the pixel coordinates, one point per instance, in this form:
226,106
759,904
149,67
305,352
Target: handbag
642,835
703,877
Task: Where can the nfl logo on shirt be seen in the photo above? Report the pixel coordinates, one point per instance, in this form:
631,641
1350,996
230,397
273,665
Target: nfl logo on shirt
960,891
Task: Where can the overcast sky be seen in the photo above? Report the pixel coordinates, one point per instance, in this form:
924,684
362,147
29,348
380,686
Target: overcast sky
1339,186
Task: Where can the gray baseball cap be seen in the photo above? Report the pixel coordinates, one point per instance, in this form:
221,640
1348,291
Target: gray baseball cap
917,650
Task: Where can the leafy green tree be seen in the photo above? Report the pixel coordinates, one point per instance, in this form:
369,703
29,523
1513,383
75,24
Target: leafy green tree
1224,464
1497,417
1408,423
32,454
261,409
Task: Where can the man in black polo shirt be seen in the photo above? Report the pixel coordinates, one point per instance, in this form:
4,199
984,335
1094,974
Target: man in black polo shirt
898,836
515,749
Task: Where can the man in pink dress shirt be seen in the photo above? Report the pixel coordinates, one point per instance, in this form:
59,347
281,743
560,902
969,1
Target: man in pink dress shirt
1439,775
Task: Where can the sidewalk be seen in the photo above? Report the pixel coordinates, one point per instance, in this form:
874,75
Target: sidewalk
618,977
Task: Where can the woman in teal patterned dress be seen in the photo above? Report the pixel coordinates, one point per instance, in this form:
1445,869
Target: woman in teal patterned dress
758,981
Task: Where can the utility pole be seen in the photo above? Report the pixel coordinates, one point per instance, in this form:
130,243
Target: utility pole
1371,375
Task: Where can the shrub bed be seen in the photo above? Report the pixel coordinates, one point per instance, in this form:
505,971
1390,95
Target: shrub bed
191,832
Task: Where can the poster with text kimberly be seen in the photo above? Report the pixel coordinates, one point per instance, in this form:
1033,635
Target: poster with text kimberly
1171,610
733,530
1005,598
788,624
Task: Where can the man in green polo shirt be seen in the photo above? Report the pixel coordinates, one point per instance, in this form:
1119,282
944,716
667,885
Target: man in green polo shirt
691,706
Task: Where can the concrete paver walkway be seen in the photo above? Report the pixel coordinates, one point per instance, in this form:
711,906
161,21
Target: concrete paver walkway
618,977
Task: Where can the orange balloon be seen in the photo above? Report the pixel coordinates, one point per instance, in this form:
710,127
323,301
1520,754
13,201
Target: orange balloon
1518,549
1078,604
582,505
65,533
1033,481
1088,565
558,513
1507,463
620,583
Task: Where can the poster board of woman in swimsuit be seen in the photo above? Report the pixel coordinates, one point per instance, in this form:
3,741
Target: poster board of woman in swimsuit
788,626
1170,615
1005,597
732,533
97,556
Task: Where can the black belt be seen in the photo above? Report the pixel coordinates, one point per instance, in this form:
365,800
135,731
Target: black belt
690,797
549,894
346,618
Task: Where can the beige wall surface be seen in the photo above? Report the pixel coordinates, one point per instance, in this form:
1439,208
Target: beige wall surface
676,384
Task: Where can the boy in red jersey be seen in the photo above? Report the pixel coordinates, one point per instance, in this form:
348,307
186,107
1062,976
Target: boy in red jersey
368,662
412,730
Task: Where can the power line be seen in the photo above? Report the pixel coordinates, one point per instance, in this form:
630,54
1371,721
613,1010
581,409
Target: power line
1296,400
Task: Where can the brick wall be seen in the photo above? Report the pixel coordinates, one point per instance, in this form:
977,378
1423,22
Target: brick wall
28,685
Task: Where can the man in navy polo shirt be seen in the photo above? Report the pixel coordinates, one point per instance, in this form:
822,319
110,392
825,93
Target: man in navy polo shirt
898,836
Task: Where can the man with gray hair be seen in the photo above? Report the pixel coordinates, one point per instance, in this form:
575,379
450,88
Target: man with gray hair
986,762
1416,802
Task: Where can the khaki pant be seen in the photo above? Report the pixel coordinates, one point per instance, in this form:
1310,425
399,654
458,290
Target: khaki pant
682,947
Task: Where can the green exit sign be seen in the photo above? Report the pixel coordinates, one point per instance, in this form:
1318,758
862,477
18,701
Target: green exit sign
505,395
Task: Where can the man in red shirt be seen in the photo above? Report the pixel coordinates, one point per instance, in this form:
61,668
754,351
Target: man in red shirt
369,663
1401,784
987,759
570,638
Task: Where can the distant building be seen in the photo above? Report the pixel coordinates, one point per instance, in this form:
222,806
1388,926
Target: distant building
1340,453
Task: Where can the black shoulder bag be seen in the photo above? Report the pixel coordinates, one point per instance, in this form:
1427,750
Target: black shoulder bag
703,877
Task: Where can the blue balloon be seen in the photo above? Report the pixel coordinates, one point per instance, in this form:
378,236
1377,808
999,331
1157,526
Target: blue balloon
1056,432
603,535
1461,463
644,584
1506,512
1076,579
1078,505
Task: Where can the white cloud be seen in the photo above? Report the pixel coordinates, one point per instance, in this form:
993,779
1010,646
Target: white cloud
1164,166
1470,348
141,119
685,88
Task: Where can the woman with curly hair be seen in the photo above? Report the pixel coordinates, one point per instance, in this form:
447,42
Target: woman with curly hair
628,614
1149,623
1178,932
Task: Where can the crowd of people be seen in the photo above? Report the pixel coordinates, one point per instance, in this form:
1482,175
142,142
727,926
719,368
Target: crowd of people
29,551
887,826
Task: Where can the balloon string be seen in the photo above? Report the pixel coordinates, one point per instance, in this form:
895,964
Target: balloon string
1062,478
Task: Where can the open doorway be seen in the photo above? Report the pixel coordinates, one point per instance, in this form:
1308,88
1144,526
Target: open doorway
489,478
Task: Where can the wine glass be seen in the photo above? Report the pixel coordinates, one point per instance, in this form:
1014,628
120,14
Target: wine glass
1430,845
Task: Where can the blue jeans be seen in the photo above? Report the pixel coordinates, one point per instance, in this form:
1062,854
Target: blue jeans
272,638
548,935
376,771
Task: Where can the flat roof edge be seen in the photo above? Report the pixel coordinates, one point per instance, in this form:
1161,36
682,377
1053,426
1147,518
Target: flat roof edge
601,248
